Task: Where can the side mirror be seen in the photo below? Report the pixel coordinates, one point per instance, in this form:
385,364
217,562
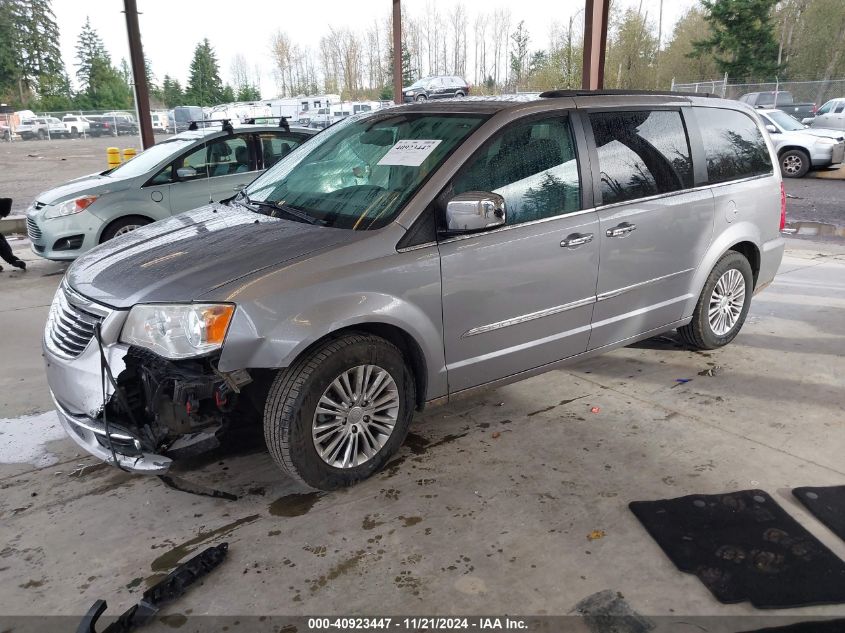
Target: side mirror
185,173
771,129
475,211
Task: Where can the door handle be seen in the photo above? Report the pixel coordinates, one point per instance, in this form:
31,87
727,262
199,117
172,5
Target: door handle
577,239
621,230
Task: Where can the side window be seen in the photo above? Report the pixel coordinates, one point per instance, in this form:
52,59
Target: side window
641,153
163,177
221,157
275,147
532,164
839,107
826,108
733,145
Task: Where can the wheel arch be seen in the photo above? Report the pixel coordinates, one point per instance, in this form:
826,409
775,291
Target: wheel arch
742,237
107,225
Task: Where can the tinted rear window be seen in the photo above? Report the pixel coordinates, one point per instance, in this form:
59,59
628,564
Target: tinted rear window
641,154
733,145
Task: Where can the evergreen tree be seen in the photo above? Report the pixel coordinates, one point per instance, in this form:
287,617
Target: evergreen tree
742,38
171,92
248,92
103,85
228,94
39,39
10,19
204,84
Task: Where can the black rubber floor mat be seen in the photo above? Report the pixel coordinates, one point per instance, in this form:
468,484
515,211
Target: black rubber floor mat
813,626
744,546
827,504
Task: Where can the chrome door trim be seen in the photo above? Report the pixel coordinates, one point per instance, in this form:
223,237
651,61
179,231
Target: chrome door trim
509,227
481,329
610,294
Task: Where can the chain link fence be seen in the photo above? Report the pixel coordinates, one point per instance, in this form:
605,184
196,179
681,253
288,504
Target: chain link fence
84,124
817,92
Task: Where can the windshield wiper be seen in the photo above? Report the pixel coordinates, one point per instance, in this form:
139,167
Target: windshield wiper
284,208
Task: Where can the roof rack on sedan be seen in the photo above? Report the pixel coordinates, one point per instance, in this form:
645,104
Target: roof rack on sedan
283,121
226,124
609,92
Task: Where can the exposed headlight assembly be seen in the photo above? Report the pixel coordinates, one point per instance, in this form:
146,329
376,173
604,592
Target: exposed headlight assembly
178,330
70,207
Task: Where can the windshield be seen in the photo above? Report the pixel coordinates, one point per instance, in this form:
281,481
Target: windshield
421,83
149,158
360,172
787,122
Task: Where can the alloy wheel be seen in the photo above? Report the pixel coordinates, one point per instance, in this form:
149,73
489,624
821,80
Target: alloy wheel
355,416
726,302
126,229
792,164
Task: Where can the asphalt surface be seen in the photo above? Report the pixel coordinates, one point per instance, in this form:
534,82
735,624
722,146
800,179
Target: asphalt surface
816,200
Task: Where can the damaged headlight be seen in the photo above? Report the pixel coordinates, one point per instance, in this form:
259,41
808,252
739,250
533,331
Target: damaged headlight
178,330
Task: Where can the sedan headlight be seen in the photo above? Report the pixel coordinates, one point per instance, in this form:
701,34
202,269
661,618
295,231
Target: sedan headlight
70,207
178,330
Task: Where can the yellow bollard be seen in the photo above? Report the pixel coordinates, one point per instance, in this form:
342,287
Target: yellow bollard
129,154
113,155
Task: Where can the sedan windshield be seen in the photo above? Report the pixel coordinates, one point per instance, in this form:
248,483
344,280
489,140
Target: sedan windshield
787,122
360,172
150,158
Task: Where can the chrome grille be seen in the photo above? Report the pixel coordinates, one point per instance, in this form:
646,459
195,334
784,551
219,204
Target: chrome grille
69,327
32,229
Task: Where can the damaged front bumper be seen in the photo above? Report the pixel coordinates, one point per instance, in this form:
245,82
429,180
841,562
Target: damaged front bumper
162,411
90,434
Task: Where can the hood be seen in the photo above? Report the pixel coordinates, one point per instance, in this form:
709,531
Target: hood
91,184
826,133
187,256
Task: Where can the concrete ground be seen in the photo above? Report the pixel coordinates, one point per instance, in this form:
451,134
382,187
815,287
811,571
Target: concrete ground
488,508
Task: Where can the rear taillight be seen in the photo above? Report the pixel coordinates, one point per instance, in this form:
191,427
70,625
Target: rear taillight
782,207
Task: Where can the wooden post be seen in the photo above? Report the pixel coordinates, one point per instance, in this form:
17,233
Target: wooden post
595,42
139,73
398,97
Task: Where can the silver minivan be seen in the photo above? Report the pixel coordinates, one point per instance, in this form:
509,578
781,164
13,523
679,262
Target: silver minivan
406,256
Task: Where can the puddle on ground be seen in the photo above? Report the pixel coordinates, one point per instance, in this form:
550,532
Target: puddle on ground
24,439
814,229
173,557
294,505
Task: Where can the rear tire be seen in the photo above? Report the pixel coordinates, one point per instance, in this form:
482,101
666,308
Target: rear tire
723,304
123,225
794,163
299,437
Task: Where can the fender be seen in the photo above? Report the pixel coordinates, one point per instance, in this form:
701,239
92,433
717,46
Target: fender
734,234
281,344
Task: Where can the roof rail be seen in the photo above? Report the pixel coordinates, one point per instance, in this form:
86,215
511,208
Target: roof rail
226,124
591,93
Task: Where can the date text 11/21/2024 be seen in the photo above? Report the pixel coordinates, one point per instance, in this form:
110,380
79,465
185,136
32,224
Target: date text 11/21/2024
416,623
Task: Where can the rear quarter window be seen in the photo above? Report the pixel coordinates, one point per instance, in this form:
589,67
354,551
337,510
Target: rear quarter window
734,147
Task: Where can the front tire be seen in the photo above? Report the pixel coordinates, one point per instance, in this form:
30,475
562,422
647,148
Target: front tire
723,304
122,226
422,98
319,424
794,163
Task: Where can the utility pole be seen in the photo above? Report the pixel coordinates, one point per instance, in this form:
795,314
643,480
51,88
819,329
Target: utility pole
659,42
398,97
595,43
139,73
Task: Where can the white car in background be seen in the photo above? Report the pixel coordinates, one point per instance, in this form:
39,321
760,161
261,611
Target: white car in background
800,147
177,174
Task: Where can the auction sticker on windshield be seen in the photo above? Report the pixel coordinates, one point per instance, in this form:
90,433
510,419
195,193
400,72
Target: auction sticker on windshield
409,153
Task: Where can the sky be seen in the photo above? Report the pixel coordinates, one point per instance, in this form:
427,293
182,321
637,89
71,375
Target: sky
170,30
